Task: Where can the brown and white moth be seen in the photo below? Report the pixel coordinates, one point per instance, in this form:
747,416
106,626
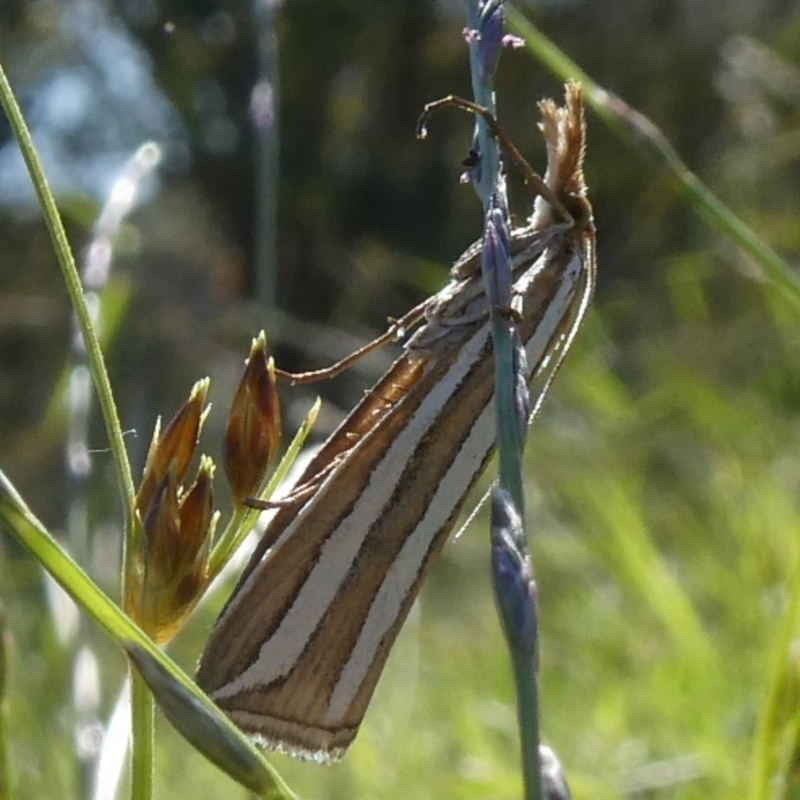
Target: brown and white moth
297,651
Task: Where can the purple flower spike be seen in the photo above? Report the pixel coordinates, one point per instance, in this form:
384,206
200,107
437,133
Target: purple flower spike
490,43
496,255
522,397
512,576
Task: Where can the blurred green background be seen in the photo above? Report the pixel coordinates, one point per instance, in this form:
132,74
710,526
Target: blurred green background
663,473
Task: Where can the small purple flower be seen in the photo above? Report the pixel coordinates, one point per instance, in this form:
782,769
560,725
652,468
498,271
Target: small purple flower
514,42
471,36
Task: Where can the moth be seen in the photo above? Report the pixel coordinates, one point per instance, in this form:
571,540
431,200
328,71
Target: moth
297,651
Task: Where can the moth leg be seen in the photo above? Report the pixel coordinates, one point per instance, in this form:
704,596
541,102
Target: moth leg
397,329
533,180
298,494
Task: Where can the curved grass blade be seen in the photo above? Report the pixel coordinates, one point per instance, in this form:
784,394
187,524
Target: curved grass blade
248,766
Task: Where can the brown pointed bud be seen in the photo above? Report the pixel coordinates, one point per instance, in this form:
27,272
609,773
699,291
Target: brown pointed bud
252,434
173,449
197,517
167,565
146,564
172,561
161,532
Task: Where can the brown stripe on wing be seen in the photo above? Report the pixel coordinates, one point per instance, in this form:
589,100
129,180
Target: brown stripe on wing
233,647
416,489
294,710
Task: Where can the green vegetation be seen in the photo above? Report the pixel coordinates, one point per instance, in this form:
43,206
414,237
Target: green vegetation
664,478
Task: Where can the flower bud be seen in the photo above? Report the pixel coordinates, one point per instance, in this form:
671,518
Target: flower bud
170,566
168,563
252,434
173,449
197,515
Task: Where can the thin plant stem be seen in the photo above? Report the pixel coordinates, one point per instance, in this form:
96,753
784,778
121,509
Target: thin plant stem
490,187
245,764
264,118
75,290
142,744
509,442
5,762
94,354
527,688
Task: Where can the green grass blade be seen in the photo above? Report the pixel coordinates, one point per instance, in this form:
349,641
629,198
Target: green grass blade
5,764
637,130
31,533
72,281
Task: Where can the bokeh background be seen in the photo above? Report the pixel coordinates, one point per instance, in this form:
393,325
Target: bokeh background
291,195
